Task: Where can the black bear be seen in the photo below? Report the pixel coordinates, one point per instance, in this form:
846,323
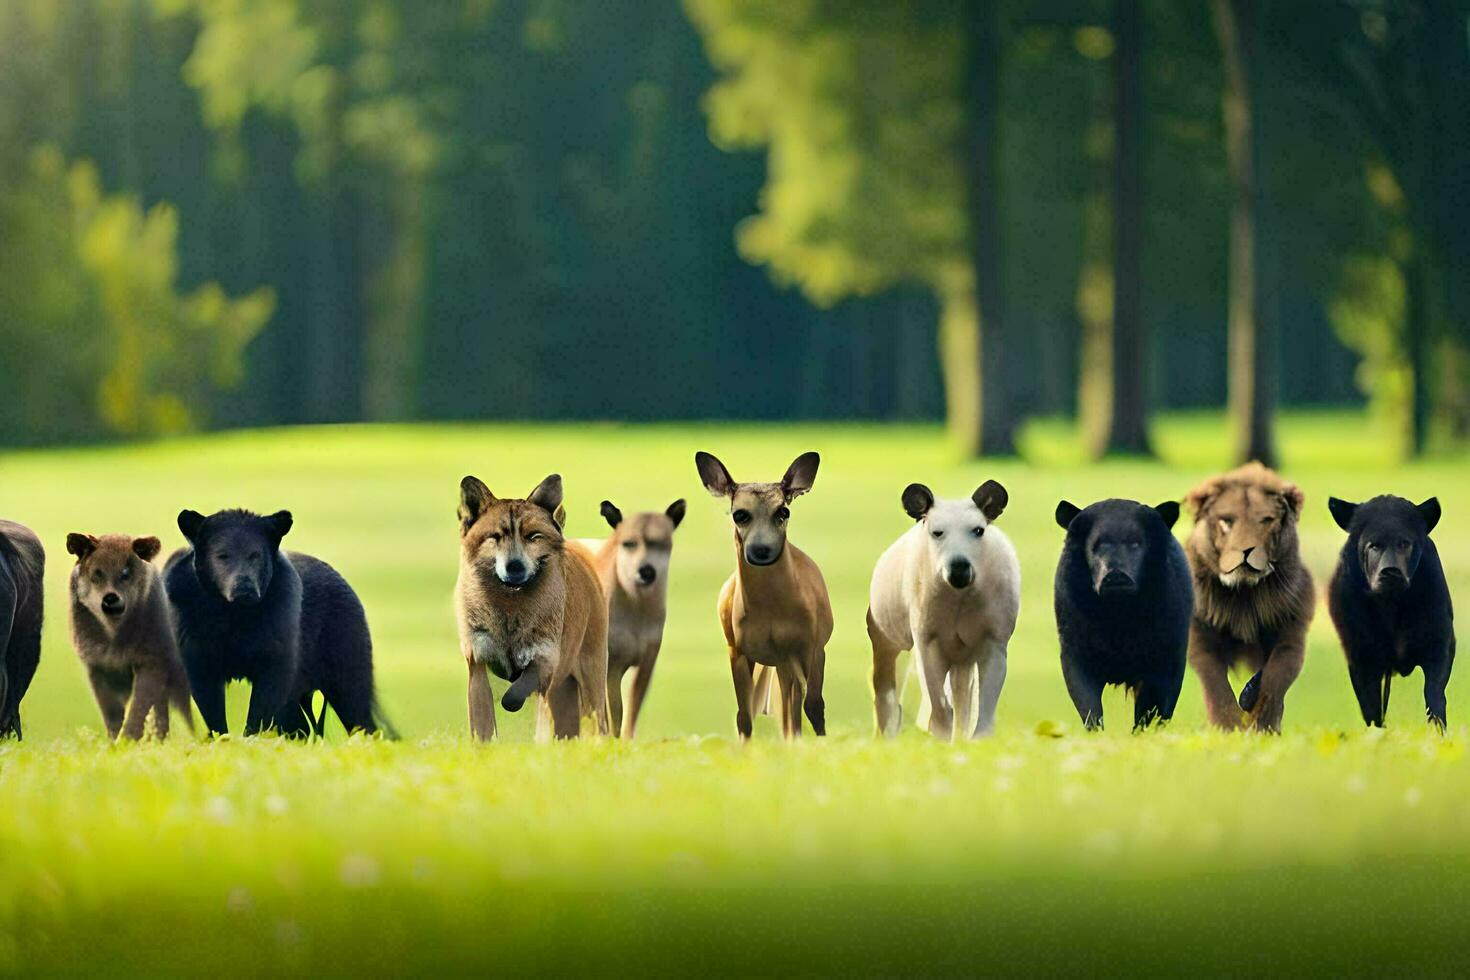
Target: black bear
1123,604
287,623
22,564
1390,603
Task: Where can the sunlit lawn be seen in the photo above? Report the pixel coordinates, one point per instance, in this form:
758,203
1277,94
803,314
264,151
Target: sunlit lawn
1176,851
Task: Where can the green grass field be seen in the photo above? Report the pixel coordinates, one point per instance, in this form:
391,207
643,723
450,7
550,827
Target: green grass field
1322,851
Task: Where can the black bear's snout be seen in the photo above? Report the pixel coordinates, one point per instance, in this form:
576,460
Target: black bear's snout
646,574
961,573
1116,582
1391,579
113,604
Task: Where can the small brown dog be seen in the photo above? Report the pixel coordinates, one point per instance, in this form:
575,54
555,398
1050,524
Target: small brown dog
530,608
633,565
775,610
124,635
1253,597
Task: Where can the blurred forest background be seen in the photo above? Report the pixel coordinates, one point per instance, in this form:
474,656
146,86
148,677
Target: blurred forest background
219,213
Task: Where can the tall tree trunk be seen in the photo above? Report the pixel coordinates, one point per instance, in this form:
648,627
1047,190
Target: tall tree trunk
1127,430
395,302
1419,343
1253,314
995,430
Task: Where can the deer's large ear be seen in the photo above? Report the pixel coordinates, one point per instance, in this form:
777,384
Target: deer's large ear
147,548
712,473
675,512
1429,510
1067,513
917,500
547,494
800,475
1342,512
474,498
991,498
190,521
1169,511
80,545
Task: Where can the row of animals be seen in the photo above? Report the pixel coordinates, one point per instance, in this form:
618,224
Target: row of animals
570,620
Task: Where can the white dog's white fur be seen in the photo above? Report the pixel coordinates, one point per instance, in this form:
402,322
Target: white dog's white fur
957,629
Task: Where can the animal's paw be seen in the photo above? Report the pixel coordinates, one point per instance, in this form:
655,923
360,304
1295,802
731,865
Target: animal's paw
523,687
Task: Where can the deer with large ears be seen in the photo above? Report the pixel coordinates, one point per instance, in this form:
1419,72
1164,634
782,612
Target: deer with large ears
774,610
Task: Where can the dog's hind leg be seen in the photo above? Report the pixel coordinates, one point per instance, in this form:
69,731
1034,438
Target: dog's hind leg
887,706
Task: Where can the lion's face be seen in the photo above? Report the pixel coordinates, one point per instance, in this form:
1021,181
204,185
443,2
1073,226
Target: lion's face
1244,526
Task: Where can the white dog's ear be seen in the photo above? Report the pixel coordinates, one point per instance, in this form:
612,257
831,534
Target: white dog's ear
917,500
991,498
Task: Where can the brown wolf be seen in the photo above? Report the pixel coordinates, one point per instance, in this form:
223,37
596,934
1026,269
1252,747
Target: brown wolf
530,609
1253,597
123,633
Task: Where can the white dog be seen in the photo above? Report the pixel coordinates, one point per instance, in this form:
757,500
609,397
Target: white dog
950,590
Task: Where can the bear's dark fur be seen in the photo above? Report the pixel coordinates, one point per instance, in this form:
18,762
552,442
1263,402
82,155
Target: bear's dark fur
22,564
1123,604
287,623
1390,603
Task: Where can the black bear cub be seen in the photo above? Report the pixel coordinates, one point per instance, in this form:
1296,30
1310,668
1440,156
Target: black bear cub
1123,604
1390,603
287,623
22,564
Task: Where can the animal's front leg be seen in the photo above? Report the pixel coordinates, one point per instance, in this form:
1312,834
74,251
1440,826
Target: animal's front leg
482,702
269,691
642,677
1283,665
743,673
933,671
111,700
209,697
1436,678
992,679
1368,685
962,698
887,710
1085,691
1221,706
149,687
565,703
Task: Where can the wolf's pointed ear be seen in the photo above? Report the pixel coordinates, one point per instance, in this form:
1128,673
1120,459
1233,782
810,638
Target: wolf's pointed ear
675,512
800,475
611,514
547,494
1169,511
1066,513
474,497
190,521
147,548
917,499
1429,510
279,524
80,545
1342,512
991,498
560,518
712,473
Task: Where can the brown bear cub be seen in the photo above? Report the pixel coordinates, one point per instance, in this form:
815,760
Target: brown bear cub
123,633
531,609
1253,597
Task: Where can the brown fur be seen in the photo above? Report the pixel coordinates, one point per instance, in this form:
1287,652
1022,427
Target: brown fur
636,609
132,658
1246,528
776,615
556,622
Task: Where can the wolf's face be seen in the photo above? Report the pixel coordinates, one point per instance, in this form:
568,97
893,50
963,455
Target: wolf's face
512,540
644,544
111,576
759,511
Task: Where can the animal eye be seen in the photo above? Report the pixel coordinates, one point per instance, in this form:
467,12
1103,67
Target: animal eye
223,556
493,537
741,517
1374,546
1135,545
125,572
630,545
1225,522
977,531
782,513
535,536
1267,520
1404,543
937,534
97,576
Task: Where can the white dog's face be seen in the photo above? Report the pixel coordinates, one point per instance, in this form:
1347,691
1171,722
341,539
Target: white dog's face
955,529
